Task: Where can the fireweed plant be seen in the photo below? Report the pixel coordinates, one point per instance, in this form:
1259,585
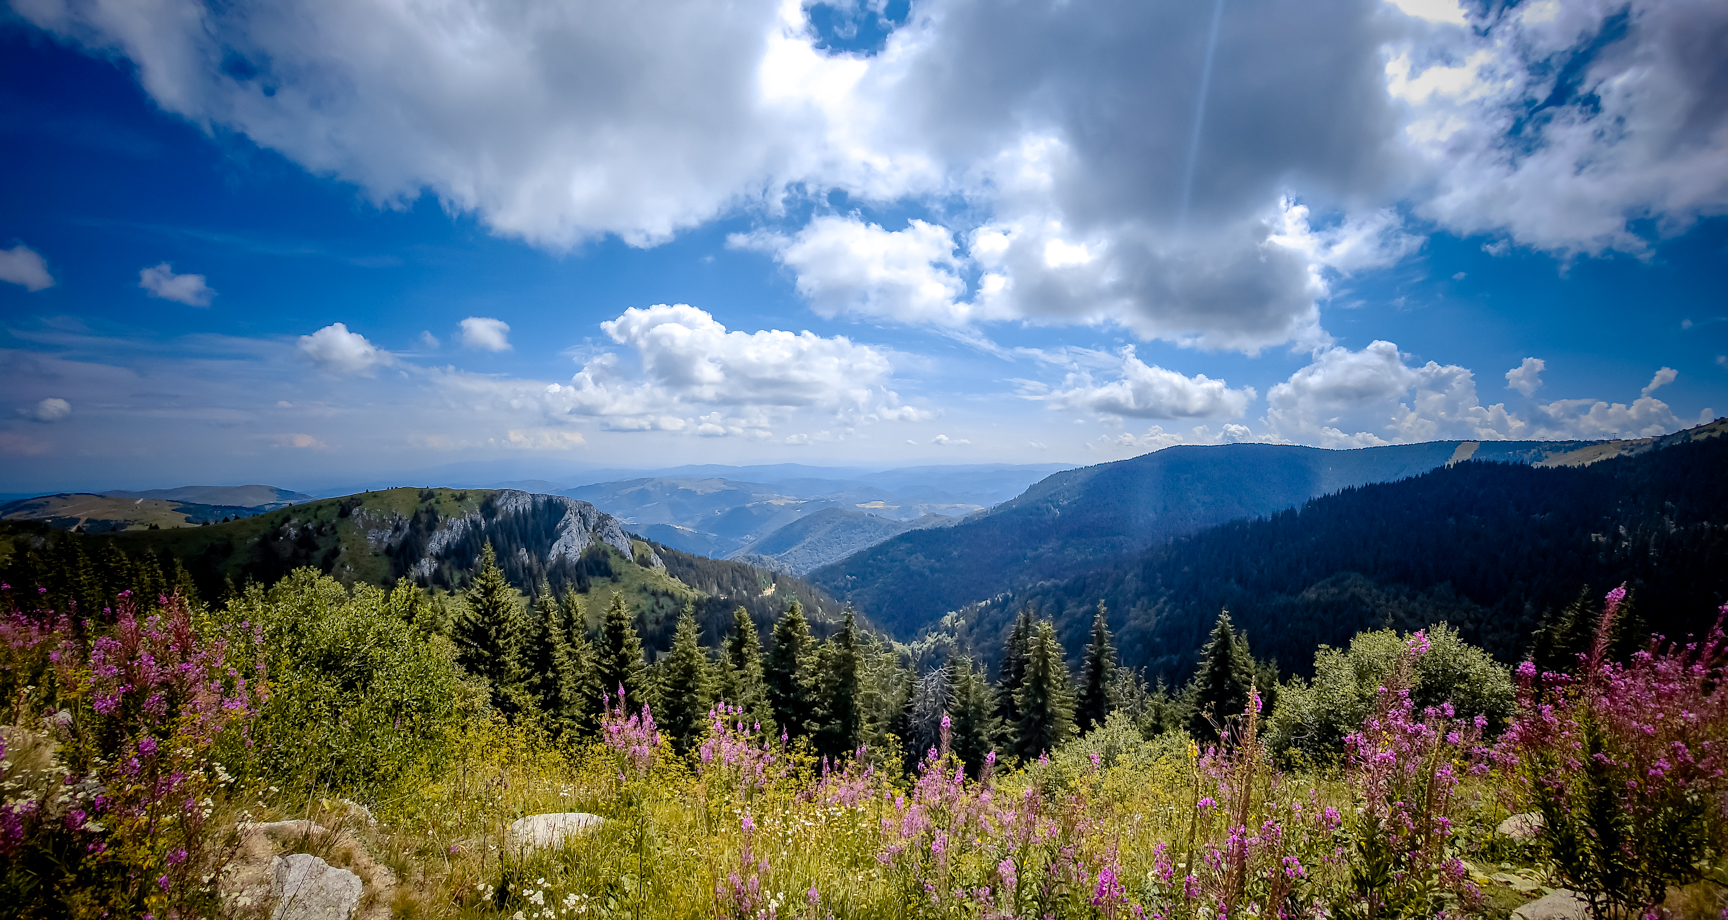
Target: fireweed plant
1626,765
112,757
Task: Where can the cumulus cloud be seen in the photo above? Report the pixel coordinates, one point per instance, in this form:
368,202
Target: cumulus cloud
1143,390
1373,396
336,350
693,374
844,265
25,266
160,281
1526,378
1563,124
484,333
1047,143
1663,377
52,409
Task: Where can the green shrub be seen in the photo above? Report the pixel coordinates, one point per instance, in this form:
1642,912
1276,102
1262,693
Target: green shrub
1311,718
361,700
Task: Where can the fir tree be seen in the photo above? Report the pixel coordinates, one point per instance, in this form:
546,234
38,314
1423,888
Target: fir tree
838,677
1096,675
685,684
1013,671
742,683
539,652
490,632
972,730
1046,697
619,662
790,672
1221,685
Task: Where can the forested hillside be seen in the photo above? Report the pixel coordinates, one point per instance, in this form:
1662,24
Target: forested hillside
432,537
1078,519
1492,548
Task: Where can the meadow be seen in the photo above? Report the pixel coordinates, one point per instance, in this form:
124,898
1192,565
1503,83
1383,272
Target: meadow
145,744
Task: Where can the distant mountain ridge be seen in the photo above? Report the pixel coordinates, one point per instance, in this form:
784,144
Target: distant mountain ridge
1080,519
435,537
1494,549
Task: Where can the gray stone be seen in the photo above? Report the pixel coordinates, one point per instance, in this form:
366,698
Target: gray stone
308,888
1522,828
1561,905
550,830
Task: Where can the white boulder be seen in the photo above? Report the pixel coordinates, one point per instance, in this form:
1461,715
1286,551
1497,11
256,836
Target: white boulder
308,888
550,830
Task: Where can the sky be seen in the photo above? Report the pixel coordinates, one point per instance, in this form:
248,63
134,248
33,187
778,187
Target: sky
333,240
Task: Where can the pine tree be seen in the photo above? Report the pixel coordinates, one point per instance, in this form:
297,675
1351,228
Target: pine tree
686,685
1221,685
838,676
742,683
619,660
539,653
1012,672
973,731
1096,674
490,633
1045,698
790,672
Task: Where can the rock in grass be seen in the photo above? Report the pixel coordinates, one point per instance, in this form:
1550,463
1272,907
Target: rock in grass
308,888
1522,828
536,831
1561,905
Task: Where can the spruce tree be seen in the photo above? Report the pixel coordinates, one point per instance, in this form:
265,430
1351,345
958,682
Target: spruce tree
539,653
838,677
1045,698
578,670
790,672
619,662
1221,685
1012,672
972,730
1096,675
685,684
742,683
490,632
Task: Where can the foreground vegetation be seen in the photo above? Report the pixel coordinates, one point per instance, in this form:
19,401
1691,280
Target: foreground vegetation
823,779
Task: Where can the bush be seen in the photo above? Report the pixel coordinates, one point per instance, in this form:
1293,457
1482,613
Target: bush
361,700
1626,765
110,766
1312,718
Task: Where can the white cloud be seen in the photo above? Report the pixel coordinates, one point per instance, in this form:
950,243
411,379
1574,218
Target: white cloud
943,440
1641,135
1526,378
52,409
486,334
844,265
1149,391
1363,398
188,289
25,266
1047,136
336,350
428,339
1446,11
696,375
1663,377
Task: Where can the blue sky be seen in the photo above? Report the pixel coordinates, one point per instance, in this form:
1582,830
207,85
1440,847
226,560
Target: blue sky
328,241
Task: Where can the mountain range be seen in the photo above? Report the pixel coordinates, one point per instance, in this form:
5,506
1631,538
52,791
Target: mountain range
1080,519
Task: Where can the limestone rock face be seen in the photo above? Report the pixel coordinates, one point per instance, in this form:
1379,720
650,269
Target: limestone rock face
1561,905
308,888
550,830
1522,828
